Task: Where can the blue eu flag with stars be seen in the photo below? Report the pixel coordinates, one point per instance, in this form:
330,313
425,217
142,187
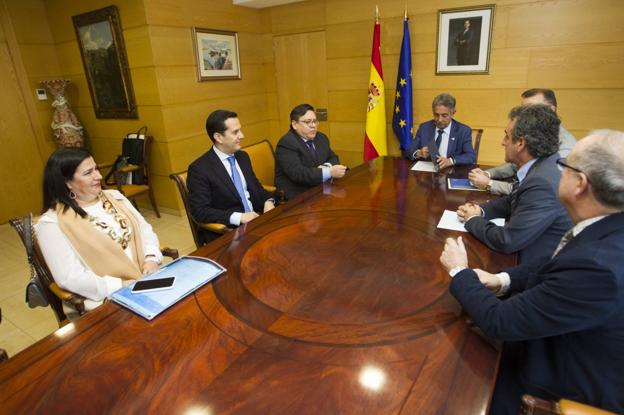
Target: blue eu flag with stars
402,122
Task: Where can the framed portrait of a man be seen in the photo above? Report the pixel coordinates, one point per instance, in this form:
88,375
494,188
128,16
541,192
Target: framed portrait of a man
216,53
464,40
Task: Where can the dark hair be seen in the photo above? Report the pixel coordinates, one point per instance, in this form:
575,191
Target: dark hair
549,95
446,100
299,111
539,126
215,123
60,169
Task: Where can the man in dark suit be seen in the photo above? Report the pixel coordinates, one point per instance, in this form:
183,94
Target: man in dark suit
536,219
303,158
453,139
463,42
566,319
222,185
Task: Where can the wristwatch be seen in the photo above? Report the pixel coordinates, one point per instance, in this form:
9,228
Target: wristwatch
488,188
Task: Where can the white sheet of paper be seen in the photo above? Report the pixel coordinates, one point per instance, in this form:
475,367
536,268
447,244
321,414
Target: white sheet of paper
424,166
450,221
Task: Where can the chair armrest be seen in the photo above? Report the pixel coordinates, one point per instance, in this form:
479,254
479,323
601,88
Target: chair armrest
129,168
215,227
269,188
74,300
105,165
568,407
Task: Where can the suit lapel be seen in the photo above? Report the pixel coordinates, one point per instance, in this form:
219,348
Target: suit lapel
221,173
450,149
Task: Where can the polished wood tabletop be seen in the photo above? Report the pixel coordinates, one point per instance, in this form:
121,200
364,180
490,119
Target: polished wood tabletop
334,303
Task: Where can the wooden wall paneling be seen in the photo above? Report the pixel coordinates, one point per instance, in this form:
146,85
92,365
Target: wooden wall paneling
306,52
299,17
178,85
138,46
144,81
585,110
69,58
589,66
574,22
215,14
172,45
20,159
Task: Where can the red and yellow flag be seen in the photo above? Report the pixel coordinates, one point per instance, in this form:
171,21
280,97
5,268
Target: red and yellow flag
375,144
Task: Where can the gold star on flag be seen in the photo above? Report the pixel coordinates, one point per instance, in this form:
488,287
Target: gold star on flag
396,109
402,123
398,94
402,82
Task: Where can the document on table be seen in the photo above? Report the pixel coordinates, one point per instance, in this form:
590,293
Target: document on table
424,166
190,273
450,221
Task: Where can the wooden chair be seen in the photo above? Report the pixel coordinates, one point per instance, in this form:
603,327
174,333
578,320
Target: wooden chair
3,354
263,162
219,228
131,191
476,140
531,405
55,295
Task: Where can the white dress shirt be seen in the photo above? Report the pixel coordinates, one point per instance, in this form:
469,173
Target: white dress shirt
235,218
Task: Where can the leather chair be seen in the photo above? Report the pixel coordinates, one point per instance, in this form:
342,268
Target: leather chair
219,228
531,405
263,162
476,140
131,191
55,295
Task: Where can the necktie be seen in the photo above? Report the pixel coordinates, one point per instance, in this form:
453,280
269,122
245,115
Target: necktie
567,237
439,138
311,148
238,183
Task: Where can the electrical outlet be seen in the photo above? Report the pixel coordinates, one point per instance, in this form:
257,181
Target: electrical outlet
41,94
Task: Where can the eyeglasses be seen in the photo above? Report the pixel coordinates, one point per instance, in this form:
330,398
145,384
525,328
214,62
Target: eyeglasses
562,162
309,123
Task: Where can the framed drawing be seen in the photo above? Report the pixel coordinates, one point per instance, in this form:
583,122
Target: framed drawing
216,53
464,40
105,63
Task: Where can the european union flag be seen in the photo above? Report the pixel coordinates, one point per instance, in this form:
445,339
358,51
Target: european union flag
402,122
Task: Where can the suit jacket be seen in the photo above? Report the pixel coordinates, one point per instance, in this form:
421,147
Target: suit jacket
212,194
508,170
536,218
295,169
459,146
568,317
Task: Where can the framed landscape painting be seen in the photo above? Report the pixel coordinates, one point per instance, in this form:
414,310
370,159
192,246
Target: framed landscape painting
105,63
216,53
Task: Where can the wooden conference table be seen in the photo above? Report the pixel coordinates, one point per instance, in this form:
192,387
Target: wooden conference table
334,303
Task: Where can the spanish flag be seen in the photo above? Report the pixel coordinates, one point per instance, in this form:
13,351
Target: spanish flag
375,137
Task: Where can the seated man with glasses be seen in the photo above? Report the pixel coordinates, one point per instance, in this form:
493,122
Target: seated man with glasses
536,220
303,158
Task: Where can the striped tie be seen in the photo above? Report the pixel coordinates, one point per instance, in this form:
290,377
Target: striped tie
567,237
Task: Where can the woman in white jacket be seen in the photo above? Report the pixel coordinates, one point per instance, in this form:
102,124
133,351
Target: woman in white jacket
93,241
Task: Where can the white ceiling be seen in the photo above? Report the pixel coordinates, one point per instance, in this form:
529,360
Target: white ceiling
261,4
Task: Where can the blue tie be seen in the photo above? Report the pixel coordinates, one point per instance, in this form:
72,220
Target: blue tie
238,183
311,149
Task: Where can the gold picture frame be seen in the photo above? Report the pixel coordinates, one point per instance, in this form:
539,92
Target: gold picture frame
216,54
